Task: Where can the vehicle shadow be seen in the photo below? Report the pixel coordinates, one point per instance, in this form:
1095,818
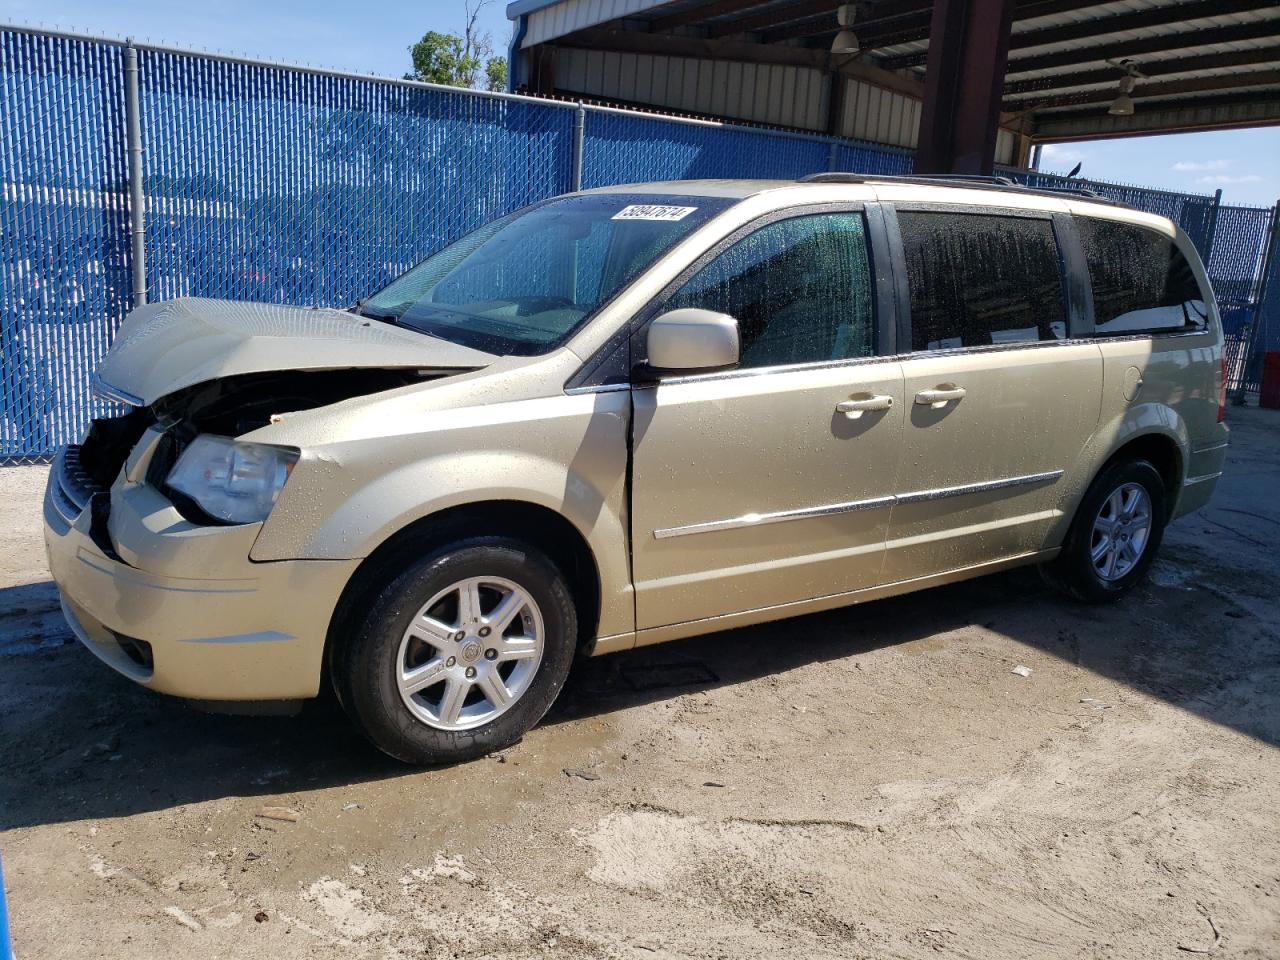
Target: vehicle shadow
82,743
1178,639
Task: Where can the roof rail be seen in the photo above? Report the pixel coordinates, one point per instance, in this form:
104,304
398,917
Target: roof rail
974,181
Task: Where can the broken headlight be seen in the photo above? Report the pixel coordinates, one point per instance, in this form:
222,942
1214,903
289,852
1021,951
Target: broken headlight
231,481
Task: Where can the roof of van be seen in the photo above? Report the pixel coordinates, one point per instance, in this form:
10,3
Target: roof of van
992,191
731,189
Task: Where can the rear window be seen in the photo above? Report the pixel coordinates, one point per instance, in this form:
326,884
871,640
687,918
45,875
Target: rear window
1141,281
981,279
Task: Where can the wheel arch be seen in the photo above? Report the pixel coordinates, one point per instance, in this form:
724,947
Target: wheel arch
1164,453
532,523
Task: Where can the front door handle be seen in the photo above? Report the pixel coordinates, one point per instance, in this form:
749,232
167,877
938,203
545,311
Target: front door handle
940,396
855,407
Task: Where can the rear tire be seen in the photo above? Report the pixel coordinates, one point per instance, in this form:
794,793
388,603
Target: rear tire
1115,535
461,654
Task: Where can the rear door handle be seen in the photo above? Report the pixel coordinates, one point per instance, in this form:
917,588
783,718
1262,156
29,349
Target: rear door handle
940,396
857,406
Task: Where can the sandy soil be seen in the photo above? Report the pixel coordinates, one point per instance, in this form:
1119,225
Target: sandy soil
874,782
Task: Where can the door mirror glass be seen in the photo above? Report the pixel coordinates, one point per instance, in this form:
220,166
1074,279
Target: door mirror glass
692,339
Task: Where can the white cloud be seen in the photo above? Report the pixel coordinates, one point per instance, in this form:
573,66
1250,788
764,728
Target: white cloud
1193,166
1224,179
1060,154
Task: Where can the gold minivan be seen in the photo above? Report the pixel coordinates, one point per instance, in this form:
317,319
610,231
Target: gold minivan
630,415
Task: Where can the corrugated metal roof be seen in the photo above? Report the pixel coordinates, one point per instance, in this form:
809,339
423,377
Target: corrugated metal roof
568,16
1194,53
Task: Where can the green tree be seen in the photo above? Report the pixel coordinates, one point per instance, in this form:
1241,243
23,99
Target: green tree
495,72
459,61
442,58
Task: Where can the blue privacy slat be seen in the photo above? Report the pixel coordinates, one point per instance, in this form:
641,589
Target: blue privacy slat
628,148
873,159
64,278
270,184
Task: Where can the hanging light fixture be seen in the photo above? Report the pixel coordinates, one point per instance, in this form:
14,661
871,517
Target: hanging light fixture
846,41
1122,105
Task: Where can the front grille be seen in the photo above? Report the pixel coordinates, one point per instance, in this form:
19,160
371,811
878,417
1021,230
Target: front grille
83,473
71,488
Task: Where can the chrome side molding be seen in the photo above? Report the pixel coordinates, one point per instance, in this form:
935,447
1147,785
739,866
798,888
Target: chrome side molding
941,493
1192,481
833,509
759,519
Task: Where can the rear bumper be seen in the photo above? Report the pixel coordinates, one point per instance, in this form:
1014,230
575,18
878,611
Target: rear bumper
213,625
1204,467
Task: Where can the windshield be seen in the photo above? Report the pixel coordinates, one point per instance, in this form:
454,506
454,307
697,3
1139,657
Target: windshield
522,284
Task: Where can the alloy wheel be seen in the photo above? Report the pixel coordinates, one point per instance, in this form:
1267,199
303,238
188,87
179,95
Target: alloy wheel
1121,531
470,652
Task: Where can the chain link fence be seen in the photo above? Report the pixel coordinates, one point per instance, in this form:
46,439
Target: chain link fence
1238,266
1251,318
289,185
64,233
625,147
280,185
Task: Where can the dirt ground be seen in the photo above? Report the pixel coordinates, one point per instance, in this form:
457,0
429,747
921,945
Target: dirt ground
872,782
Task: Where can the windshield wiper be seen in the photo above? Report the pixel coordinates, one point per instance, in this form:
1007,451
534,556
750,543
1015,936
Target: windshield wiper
385,315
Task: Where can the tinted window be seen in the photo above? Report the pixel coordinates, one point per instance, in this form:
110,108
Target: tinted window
799,288
1141,280
978,279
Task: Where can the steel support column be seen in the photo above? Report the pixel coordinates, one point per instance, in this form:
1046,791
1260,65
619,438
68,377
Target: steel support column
836,84
964,79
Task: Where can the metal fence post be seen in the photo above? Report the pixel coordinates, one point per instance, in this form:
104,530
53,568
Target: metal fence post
1261,288
137,213
1211,231
833,155
579,136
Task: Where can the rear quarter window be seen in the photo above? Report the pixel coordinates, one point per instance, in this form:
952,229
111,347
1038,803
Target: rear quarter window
1141,282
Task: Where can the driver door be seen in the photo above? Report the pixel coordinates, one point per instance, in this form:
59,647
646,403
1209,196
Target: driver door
750,487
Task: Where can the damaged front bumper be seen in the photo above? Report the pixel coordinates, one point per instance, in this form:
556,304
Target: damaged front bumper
179,607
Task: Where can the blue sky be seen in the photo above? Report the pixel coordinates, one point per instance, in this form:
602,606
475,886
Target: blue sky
1244,164
364,37
373,37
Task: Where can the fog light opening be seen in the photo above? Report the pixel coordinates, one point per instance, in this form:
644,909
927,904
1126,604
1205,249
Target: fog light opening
139,651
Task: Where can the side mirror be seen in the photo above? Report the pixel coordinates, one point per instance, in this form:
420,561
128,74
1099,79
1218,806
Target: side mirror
691,339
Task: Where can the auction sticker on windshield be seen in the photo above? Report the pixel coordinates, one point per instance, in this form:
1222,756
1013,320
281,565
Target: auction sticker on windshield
652,211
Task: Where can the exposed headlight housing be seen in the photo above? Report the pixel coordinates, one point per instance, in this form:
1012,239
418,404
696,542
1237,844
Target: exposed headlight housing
232,481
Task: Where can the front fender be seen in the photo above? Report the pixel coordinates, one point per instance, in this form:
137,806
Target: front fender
566,454
366,516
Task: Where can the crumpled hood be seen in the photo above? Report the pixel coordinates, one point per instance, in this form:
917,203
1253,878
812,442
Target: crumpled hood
163,347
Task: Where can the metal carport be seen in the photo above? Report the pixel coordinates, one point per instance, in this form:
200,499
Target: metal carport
1011,73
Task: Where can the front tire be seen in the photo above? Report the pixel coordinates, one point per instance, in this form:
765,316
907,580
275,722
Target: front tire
1115,535
462,653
